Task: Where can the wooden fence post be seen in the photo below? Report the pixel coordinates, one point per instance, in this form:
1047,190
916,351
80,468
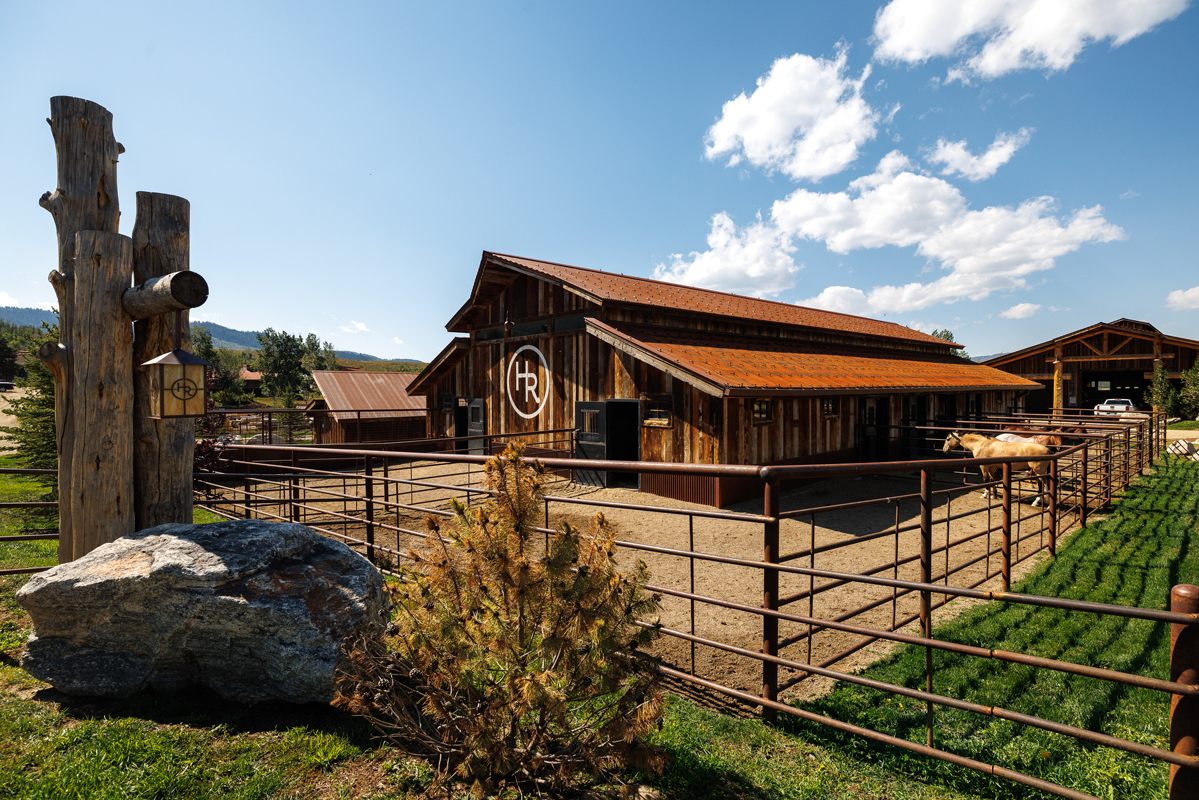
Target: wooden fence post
1184,711
85,200
770,597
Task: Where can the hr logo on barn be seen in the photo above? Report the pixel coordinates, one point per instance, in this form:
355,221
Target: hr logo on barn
527,391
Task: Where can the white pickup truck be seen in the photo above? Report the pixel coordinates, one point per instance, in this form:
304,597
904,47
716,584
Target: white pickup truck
1114,407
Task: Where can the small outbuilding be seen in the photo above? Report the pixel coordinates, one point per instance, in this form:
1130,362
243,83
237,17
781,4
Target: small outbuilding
366,407
638,369
1108,359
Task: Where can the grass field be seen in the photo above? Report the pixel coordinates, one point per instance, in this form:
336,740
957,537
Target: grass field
195,745
1185,425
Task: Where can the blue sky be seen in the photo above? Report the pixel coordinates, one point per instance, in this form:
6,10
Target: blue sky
1009,169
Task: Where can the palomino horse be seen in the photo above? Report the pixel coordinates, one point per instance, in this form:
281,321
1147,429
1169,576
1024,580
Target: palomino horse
986,447
1042,438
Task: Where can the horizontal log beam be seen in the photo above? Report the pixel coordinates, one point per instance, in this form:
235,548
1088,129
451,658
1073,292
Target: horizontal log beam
178,291
1130,357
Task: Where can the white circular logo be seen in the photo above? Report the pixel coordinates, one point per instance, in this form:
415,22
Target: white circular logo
528,388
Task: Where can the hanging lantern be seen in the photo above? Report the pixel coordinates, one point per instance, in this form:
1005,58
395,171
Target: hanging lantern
178,385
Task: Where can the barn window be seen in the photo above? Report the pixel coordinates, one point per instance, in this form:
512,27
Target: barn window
590,421
763,411
476,414
830,406
656,410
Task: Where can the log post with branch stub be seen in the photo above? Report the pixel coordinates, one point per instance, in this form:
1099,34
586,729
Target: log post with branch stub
101,341
163,449
84,200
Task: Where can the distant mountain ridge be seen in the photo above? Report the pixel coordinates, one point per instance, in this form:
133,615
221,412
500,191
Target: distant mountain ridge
27,316
233,339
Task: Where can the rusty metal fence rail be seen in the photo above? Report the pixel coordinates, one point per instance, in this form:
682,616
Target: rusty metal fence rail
31,537
940,543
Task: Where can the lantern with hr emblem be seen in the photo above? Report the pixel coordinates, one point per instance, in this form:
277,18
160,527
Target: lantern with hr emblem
178,387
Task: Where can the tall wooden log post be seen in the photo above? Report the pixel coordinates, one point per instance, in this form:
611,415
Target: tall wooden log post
163,449
85,200
93,361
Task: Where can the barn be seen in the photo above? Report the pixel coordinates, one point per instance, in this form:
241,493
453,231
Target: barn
366,407
646,370
1108,359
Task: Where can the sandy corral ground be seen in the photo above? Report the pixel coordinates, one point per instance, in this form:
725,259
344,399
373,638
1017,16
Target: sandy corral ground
7,420
742,540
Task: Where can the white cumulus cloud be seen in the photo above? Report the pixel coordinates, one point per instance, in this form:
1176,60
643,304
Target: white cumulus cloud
1020,311
396,340
807,118
992,249
755,260
1184,299
354,327
7,299
994,37
958,160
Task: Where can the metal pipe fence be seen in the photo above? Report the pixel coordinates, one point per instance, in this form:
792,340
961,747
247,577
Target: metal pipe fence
837,572
826,592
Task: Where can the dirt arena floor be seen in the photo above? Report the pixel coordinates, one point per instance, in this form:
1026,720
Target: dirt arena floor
737,539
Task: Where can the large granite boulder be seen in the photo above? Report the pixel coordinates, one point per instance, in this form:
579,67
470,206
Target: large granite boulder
254,610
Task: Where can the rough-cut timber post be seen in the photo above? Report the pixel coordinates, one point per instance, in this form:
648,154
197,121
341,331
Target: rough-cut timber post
101,498
1184,711
84,200
163,449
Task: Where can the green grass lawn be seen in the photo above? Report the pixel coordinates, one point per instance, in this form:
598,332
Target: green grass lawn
196,745
1185,425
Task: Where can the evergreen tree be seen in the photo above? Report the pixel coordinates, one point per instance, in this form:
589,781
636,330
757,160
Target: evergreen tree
1160,395
1188,396
947,335
281,362
225,384
8,359
36,443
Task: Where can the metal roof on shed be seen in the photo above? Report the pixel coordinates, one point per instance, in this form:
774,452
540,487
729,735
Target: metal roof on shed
384,393
601,287
759,366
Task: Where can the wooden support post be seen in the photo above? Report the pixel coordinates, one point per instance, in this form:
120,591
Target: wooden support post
770,598
162,448
101,467
85,199
1184,711
1058,389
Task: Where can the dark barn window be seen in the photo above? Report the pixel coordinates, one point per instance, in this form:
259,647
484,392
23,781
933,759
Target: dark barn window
763,411
831,406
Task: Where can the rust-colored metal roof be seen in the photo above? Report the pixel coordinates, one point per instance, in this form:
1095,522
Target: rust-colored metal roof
385,393
607,287
752,366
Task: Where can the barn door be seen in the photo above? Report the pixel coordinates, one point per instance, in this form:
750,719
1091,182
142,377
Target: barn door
461,423
476,425
870,428
591,441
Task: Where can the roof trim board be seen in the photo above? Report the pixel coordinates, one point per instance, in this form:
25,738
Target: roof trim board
444,361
